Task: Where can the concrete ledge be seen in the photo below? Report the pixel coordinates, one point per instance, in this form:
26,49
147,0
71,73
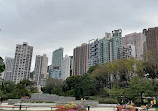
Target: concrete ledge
36,104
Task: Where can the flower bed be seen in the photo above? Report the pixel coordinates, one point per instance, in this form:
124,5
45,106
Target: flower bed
71,107
126,108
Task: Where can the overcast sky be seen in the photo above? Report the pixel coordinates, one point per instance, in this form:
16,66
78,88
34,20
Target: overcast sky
49,24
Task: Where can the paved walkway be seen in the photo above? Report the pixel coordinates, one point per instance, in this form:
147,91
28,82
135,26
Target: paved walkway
48,108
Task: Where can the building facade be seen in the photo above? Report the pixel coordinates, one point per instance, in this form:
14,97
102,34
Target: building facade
65,67
151,35
8,68
80,59
136,39
128,51
116,44
105,49
41,64
93,52
22,62
57,58
56,74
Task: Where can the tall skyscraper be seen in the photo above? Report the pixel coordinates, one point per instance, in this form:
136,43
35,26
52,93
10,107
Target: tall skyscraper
105,49
65,67
93,52
116,44
151,39
41,64
8,68
22,62
57,58
80,59
137,39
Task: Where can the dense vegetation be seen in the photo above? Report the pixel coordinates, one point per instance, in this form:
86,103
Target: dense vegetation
10,90
118,81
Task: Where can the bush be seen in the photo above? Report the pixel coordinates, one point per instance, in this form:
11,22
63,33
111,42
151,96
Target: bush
107,100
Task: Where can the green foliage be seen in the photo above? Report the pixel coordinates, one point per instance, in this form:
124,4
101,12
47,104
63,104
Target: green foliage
53,86
2,65
84,87
15,91
91,69
104,100
138,87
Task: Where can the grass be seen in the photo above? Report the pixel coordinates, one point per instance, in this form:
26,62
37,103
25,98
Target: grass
156,109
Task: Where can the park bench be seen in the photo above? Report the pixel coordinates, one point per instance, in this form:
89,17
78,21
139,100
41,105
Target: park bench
14,107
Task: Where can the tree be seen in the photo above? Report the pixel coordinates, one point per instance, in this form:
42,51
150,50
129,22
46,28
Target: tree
53,86
85,87
2,65
92,68
151,64
139,87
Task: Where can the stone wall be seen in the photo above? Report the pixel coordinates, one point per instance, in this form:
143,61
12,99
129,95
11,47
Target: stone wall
13,101
50,97
84,103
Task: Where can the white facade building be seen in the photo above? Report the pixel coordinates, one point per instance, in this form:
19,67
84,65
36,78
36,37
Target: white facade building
65,67
22,62
41,64
128,51
8,68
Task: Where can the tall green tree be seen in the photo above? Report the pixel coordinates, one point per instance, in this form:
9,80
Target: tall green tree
2,65
139,87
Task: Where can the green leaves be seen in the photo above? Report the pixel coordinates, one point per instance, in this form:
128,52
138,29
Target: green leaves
2,65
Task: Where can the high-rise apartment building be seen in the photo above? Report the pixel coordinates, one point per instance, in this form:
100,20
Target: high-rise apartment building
22,62
57,58
137,39
93,52
8,68
151,39
116,44
105,49
41,64
128,51
65,67
80,59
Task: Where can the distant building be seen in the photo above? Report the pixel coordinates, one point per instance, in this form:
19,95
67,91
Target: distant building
22,62
56,74
41,64
65,67
57,58
93,52
137,39
151,35
8,68
80,59
129,51
105,49
116,44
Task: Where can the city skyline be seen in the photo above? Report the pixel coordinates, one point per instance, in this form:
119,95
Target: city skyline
47,25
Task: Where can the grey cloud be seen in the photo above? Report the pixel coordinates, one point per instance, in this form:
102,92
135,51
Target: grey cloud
50,24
